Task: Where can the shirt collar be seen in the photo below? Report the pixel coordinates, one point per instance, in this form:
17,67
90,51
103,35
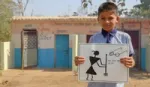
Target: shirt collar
105,33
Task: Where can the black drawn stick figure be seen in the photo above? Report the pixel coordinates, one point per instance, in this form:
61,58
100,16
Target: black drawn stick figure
93,60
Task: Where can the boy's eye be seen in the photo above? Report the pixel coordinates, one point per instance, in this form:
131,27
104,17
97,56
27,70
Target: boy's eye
102,18
110,18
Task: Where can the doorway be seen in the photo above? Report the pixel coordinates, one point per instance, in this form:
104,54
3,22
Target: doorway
29,48
62,51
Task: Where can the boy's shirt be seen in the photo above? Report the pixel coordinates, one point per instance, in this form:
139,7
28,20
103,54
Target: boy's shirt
114,37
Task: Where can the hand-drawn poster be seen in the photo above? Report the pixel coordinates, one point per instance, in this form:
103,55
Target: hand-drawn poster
102,63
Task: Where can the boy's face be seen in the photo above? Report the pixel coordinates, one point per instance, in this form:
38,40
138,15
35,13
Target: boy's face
108,20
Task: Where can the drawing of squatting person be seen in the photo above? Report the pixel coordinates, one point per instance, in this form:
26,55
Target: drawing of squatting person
93,60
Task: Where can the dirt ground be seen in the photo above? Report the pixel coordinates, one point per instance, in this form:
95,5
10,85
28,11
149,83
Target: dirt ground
60,78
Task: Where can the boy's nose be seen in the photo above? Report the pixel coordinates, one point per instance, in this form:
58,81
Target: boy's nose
106,21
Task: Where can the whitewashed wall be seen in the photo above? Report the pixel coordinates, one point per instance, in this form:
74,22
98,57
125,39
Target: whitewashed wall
82,38
16,40
46,40
5,56
74,50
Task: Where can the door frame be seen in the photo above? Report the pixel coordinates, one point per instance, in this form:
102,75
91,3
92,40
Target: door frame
22,46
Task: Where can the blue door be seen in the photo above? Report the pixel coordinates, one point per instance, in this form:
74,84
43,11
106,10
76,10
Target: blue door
62,51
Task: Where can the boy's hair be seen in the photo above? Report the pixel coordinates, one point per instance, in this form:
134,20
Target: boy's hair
107,6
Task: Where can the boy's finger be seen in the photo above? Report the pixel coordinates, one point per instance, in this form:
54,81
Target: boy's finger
76,63
122,61
81,62
79,57
128,63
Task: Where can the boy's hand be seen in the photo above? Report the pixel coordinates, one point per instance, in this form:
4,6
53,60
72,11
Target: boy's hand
128,62
79,60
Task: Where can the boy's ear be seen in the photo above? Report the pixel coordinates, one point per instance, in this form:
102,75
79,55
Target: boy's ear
98,19
118,19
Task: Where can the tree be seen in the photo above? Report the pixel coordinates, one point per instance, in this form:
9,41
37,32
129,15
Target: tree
119,3
22,7
83,9
85,3
141,10
8,8
75,14
6,12
95,13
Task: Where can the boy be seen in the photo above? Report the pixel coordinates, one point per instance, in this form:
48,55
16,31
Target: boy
108,18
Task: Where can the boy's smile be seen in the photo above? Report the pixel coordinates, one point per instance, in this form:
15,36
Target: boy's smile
108,20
